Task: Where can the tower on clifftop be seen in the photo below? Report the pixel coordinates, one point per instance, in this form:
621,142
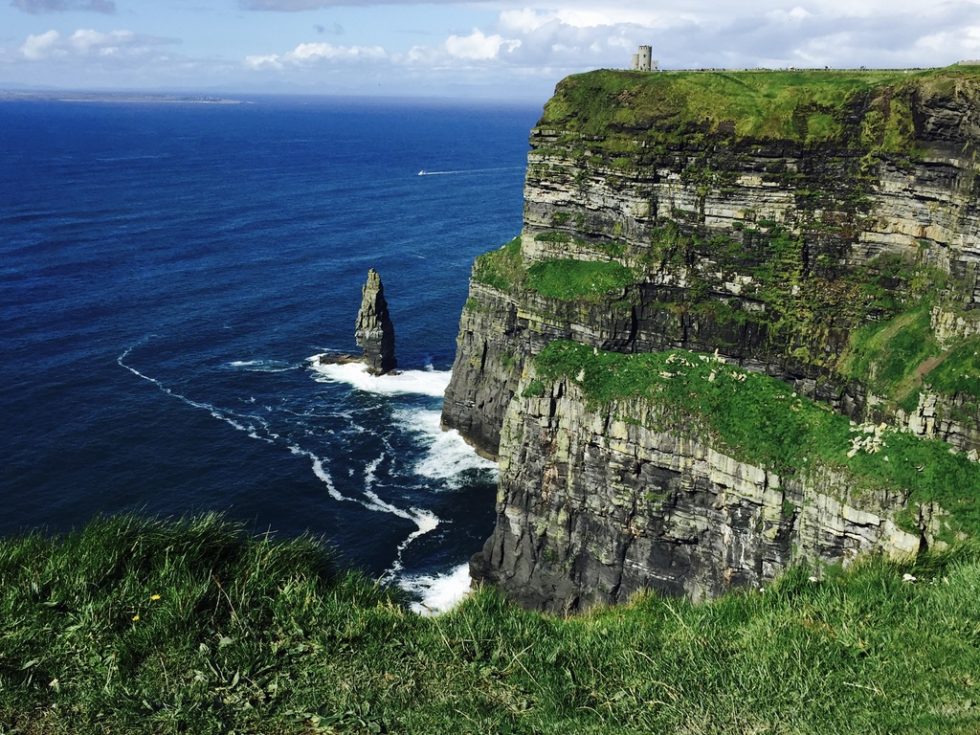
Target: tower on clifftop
643,59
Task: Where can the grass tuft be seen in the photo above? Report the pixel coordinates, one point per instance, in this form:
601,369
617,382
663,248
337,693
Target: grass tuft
503,268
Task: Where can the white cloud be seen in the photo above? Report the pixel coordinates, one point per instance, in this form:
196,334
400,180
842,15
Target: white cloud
264,61
306,54
40,46
86,42
748,33
328,52
789,17
524,20
478,46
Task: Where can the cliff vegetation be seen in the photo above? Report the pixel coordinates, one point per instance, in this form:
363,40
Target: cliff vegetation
760,420
804,106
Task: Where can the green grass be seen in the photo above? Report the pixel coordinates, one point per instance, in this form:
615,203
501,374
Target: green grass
578,280
807,106
760,420
257,636
554,237
960,370
889,357
503,268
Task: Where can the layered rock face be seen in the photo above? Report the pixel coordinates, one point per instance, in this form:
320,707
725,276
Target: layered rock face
771,248
374,332
819,228
595,505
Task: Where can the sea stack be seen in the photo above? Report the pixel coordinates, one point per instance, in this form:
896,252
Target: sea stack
374,331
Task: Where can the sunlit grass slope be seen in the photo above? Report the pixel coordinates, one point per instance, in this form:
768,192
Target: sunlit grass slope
143,626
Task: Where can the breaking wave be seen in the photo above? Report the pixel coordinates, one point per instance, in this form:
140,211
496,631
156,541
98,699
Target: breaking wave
447,456
409,382
439,592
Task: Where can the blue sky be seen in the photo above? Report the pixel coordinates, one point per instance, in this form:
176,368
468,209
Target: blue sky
491,48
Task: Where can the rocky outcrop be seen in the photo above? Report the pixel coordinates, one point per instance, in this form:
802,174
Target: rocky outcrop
955,419
595,505
803,229
374,331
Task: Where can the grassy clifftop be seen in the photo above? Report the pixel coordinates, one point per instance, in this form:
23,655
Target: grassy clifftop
133,625
809,106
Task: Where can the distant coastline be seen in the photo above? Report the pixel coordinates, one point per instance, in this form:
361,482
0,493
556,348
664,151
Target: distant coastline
8,95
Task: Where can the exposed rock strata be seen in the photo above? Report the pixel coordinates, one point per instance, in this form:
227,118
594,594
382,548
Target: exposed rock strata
374,331
953,418
593,506
837,207
773,251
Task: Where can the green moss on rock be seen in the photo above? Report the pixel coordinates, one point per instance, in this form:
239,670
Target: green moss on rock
503,268
959,372
578,280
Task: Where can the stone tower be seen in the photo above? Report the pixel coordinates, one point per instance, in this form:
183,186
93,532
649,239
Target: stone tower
643,59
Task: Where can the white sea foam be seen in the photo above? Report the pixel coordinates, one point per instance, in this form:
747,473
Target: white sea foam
447,453
261,366
408,382
258,428
439,592
241,422
370,471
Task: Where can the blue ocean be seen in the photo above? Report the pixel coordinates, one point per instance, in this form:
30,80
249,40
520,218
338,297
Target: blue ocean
168,270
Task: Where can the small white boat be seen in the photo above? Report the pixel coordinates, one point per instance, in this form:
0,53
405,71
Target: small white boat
422,172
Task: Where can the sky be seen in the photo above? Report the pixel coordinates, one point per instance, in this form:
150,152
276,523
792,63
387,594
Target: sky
494,49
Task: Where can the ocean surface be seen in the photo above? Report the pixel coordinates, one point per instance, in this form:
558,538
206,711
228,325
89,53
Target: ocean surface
168,270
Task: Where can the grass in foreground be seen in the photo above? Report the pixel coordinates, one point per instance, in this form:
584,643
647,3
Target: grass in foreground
250,635
761,420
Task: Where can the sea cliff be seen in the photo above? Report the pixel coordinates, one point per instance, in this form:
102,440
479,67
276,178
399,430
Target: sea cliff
820,229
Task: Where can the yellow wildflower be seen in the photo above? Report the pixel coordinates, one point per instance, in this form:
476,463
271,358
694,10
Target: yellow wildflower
136,618
154,597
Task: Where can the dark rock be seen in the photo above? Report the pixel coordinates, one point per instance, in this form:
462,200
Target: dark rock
592,509
374,331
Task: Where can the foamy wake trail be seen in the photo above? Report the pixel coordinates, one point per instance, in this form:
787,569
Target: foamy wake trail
439,592
447,455
248,423
261,366
424,521
409,382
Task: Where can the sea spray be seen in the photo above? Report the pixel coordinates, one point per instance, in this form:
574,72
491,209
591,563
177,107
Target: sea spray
407,382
